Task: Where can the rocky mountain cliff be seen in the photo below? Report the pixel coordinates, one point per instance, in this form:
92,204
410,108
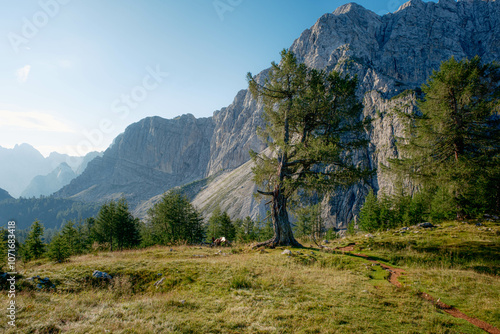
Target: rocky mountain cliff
392,56
149,158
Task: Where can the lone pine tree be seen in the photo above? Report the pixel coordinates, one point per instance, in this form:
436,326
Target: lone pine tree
313,127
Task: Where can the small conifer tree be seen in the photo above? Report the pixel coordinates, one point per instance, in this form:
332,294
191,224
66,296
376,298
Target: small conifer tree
34,247
220,225
59,249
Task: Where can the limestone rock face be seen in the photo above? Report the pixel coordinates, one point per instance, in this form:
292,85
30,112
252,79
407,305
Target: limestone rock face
233,192
402,48
392,55
149,158
235,132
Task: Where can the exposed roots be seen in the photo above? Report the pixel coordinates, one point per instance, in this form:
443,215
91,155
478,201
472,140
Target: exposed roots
276,242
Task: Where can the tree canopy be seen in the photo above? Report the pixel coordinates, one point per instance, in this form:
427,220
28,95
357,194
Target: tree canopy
172,220
220,225
453,143
116,226
314,125
33,248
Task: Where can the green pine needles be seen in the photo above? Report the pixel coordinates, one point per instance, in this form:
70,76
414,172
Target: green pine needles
116,226
314,126
33,248
453,144
451,151
173,220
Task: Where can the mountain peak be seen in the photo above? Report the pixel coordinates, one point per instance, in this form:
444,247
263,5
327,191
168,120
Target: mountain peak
57,155
349,7
26,148
389,54
23,146
415,4
50,183
64,165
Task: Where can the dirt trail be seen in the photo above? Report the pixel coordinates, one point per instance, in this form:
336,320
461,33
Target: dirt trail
348,248
457,314
395,273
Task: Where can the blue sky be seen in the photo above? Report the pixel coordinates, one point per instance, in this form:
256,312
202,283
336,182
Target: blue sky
76,73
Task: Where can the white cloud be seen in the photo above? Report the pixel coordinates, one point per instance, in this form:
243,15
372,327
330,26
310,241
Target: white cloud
33,120
22,73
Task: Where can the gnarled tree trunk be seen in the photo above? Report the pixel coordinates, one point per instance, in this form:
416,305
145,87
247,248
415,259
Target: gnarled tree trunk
283,235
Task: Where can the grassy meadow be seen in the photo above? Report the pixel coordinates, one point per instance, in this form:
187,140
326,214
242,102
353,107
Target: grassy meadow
241,290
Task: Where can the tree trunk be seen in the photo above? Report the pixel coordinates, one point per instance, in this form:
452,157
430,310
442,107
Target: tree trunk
283,235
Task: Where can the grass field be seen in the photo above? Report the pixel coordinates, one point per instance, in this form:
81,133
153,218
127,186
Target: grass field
240,290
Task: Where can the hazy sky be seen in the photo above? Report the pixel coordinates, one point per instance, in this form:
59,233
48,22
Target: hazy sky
76,73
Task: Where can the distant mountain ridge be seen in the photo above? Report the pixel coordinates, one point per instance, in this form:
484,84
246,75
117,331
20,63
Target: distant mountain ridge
4,195
50,183
51,212
19,165
392,55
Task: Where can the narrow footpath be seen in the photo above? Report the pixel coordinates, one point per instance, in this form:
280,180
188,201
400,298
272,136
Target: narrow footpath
395,273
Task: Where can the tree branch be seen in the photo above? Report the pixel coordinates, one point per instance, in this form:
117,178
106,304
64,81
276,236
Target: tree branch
266,193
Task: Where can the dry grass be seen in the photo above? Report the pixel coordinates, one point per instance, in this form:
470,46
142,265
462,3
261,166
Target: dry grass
247,292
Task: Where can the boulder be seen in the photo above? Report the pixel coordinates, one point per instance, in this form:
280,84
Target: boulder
101,274
42,283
